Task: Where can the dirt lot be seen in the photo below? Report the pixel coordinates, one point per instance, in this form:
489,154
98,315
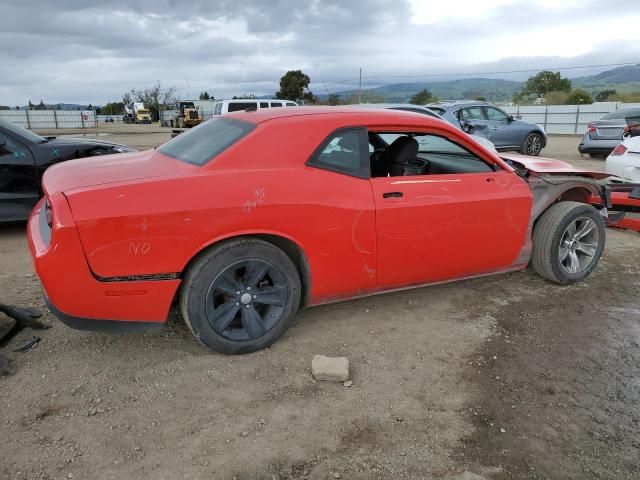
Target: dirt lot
500,377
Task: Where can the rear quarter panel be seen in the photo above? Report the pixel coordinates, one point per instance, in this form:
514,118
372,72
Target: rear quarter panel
258,186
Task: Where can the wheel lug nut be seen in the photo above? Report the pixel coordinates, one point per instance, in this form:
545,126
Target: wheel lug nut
237,304
248,288
238,292
255,296
248,306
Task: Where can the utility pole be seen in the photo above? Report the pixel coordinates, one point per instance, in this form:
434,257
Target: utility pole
360,88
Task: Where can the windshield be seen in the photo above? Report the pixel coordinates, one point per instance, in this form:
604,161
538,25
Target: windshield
204,142
21,132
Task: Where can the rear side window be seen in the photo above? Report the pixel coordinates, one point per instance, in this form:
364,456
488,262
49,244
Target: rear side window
204,142
218,109
345,151
264,104
291,104
276,104
239,106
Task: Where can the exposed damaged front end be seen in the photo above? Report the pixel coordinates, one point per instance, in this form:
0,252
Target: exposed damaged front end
553,181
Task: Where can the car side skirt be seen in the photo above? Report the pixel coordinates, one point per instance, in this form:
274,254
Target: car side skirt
327,301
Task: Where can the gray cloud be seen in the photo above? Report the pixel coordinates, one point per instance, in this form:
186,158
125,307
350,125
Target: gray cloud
84,51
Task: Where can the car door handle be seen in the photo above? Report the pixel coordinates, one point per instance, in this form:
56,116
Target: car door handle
392,195
495,128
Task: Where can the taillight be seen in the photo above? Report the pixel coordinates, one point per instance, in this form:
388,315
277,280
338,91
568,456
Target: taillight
619,150
48,213
591,128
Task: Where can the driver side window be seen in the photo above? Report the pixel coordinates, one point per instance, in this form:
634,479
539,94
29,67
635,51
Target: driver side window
471,113
409,154
495,114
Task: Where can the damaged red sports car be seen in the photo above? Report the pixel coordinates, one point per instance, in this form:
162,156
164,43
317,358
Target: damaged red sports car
251,216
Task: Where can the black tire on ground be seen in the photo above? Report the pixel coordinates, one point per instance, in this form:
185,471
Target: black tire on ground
229,311
532,145
552,239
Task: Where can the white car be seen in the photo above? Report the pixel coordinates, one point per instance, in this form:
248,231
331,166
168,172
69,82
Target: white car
624,161
240,104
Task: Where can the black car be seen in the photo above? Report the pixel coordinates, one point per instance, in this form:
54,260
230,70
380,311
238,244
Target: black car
24,156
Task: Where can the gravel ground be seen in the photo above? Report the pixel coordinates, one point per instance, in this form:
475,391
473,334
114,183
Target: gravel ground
501,377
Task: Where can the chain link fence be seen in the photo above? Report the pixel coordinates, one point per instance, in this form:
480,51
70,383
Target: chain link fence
566,119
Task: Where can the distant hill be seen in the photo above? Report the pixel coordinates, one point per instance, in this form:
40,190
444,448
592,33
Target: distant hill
626,74
623,79
493,89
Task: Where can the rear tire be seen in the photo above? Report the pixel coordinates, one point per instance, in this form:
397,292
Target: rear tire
568,240
532,145
241,296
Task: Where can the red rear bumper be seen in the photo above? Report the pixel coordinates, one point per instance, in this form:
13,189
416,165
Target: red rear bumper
73,292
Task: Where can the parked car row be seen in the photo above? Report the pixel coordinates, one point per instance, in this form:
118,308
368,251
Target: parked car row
604,135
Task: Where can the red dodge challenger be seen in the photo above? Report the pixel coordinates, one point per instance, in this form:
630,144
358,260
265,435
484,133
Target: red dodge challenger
251,216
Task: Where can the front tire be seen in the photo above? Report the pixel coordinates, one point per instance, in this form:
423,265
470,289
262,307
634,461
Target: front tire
532,145
241,296
568,240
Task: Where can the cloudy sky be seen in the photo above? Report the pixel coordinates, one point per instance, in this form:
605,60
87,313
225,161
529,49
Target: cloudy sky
93,51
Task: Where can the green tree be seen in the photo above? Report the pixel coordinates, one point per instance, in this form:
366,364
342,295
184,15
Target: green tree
546,81
30,105
480,98
604,95
294,85
41,106
112,108
205,96
631,97
578,97
556,98
422,97
334,99
4,107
